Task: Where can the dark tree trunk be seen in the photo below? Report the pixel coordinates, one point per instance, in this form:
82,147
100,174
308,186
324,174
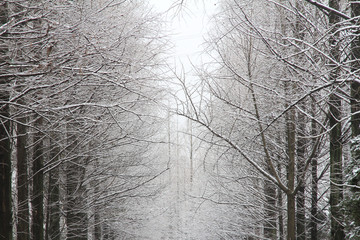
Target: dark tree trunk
291,144
76,216
53,211
280,208
355,85
5,174
291,231
336,178
5,149
38,184
291,234
314,181
53,229
97,209
300,195
354,178
108,232
270,210
22,182
97,228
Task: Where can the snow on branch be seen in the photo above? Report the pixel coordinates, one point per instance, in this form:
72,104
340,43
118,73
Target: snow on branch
328,9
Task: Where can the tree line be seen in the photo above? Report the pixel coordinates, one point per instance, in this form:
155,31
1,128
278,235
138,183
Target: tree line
78,93
278,105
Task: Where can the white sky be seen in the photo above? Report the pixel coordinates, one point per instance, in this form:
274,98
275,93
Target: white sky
189,25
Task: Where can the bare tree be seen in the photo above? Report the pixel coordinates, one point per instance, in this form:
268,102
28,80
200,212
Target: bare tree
354,173
292,78
5,137
80,89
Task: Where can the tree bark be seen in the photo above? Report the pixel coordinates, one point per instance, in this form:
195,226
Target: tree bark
5,149
291,232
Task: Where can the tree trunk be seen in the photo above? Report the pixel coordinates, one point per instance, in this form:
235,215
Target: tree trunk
354,178
76,216
38,184
300,195
301,140
5,149
270,210
336,190
22,182
53,212
280,208
97,227
314,180
291,234
270,230
53,229
355,85
291,144
95,185
336,179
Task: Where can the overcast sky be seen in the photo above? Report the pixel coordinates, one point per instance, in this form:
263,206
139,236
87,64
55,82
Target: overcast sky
189,25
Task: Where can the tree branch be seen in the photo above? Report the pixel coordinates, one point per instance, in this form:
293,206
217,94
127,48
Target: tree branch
328,9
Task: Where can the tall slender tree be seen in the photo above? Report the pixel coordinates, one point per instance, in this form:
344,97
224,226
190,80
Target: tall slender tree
22,158
299,33
353,177
22,180
37,200
291,152
5,133
53,228
335,109
314,180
